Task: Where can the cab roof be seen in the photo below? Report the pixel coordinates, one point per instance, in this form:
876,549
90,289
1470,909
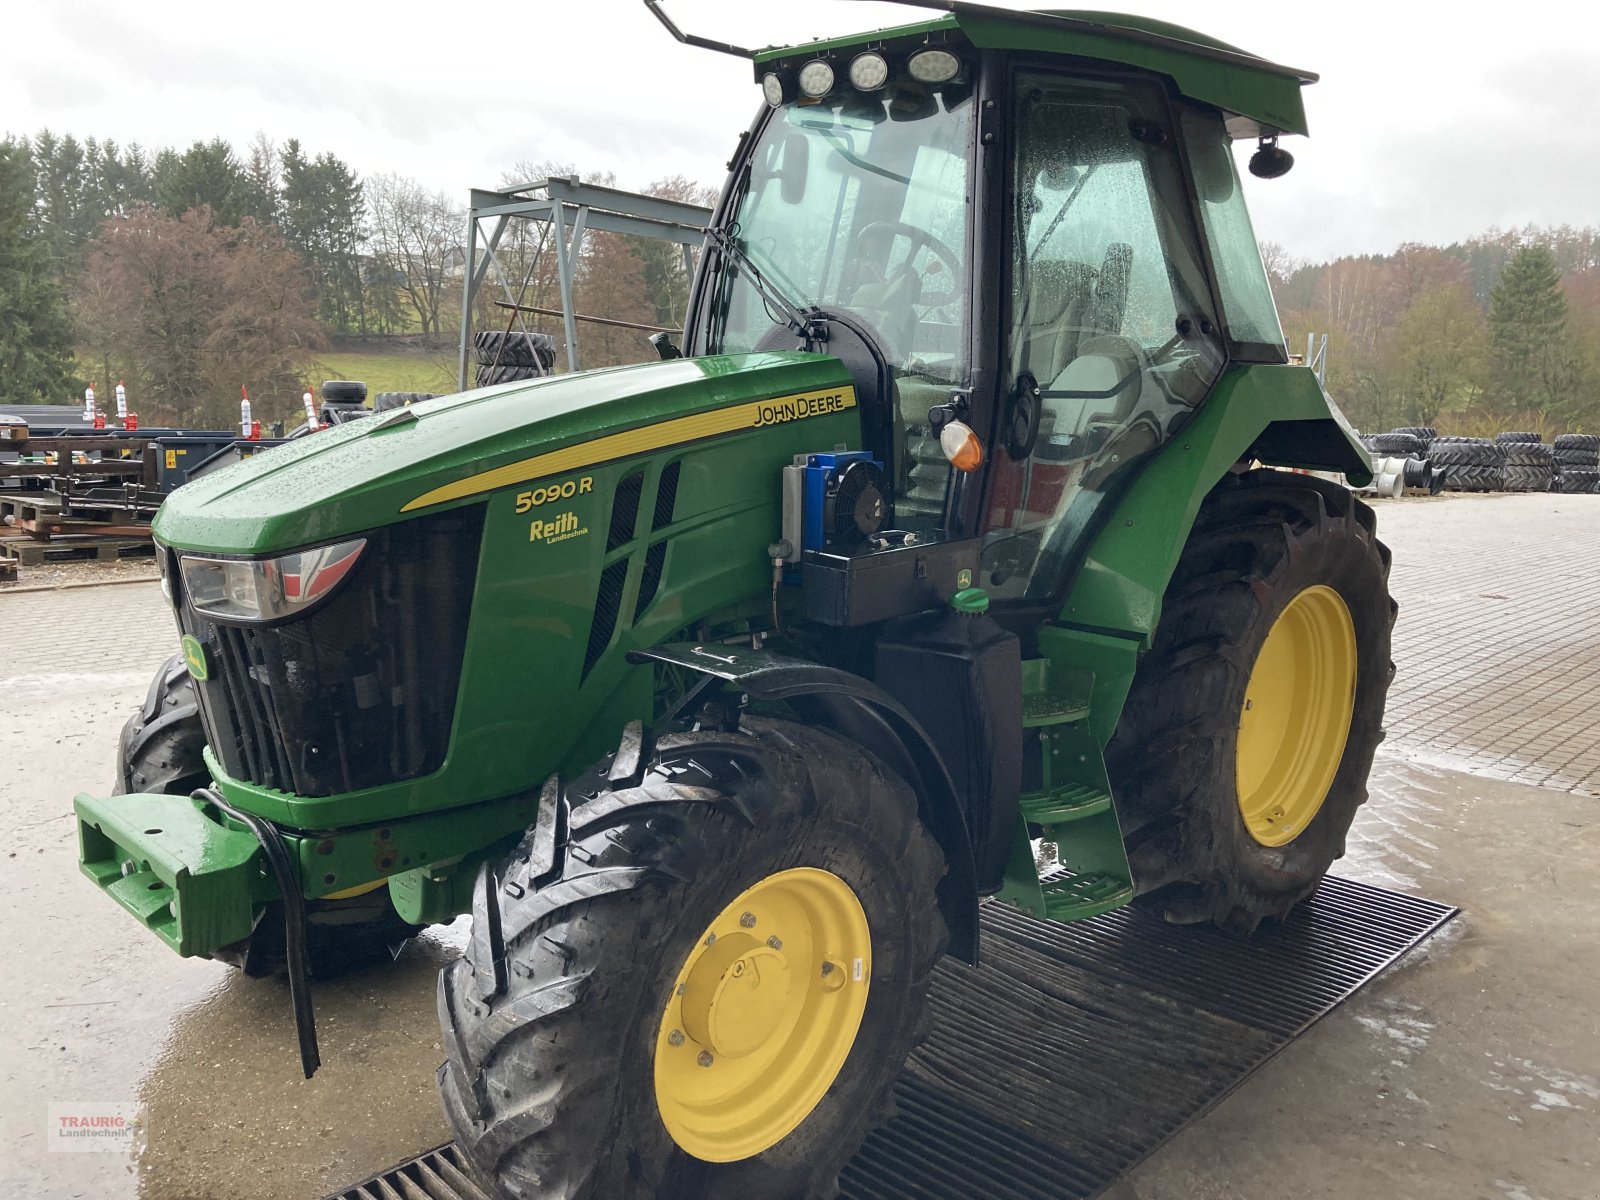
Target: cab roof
1258,97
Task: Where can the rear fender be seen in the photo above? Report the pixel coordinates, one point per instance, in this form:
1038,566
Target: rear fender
1279,415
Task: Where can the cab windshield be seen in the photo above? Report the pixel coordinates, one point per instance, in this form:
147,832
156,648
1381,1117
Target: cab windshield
861,204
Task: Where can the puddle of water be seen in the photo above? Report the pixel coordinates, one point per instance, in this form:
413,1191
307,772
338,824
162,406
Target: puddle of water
1391,842
223,1092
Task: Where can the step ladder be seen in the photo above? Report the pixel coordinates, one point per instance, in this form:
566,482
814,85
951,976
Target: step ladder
1071,810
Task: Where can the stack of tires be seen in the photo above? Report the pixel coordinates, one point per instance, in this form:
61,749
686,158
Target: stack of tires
1577,464
1402,443
1469,464
511,357
1530,464
1407,451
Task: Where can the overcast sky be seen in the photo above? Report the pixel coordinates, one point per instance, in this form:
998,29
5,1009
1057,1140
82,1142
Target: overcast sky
1431,122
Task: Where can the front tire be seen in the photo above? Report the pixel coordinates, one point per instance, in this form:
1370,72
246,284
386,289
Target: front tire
1246,740
593,1067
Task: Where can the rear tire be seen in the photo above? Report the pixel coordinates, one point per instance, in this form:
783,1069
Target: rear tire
491,376
344,391
1423,433
1578,481
1472,464
552,1083
494,348
159,751
1263,541
1396,445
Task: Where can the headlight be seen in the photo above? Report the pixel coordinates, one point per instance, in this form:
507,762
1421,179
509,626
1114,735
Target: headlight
868,72
163,567
933,66
774,89
816,78
266,589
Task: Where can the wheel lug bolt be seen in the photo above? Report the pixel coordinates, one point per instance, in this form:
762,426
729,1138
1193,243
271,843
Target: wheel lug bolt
775,943
705,1059
710,938
748,921
827,969
675,1038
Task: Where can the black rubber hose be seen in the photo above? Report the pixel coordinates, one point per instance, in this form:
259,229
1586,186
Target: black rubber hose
294,924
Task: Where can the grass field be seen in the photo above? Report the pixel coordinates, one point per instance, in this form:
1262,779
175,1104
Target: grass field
389,372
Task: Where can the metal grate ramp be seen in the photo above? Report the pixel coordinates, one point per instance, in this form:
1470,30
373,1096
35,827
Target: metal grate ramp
440,1174
1077,1049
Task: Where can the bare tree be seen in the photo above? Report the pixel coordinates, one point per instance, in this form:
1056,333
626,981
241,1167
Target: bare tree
187,310
416,236
1280,264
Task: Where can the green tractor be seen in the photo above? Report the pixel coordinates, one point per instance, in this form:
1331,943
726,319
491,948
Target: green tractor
966,552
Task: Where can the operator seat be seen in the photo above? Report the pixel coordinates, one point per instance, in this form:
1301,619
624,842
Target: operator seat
1060,298
1068,302
1092,397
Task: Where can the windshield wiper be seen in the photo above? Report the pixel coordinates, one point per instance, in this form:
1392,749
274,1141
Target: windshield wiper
810,328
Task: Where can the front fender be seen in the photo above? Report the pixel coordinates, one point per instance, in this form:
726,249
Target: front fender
864,712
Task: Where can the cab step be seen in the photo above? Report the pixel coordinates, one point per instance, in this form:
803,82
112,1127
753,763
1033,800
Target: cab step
1052,708
1051,696
1075,897
1061,805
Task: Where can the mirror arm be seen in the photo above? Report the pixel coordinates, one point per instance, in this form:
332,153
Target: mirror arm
689,39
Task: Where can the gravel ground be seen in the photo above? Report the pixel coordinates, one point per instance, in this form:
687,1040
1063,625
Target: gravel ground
79,573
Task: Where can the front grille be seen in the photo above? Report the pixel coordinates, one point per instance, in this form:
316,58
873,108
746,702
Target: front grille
361,691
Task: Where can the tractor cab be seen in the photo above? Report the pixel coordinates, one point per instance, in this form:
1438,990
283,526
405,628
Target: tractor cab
1030,248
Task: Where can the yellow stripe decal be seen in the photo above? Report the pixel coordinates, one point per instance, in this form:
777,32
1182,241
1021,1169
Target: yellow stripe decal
678,431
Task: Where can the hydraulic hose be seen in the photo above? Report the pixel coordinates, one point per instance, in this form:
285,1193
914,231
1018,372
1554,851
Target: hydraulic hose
294,923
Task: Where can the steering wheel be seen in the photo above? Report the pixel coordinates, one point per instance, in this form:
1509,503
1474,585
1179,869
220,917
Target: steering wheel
918,237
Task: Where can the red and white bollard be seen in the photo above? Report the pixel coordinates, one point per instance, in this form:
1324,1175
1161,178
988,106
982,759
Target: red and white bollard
92,414
129,420
311,412
251,430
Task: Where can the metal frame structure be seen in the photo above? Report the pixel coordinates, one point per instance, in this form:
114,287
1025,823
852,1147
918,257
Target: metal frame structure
571,209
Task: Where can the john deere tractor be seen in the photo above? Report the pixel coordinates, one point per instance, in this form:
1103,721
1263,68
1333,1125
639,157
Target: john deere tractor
966,551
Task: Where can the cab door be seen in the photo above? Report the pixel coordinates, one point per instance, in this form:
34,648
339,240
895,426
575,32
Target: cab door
1110,334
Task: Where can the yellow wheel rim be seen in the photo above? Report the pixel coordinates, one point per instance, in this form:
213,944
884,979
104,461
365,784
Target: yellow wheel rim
1296,716
763,1015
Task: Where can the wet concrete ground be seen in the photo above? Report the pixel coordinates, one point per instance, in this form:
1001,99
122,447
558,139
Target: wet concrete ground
1471,1070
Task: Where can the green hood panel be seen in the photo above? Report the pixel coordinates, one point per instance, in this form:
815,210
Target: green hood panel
382,469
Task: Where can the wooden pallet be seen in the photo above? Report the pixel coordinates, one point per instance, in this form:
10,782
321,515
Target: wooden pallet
29,507
44,517
31,552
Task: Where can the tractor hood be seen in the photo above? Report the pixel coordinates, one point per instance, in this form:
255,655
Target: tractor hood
457,449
